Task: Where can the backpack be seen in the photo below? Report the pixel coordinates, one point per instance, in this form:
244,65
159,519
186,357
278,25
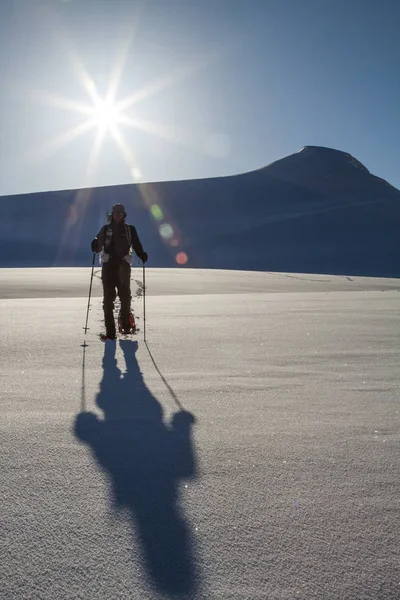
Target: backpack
104,256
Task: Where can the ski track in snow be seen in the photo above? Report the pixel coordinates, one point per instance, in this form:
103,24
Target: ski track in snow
249,450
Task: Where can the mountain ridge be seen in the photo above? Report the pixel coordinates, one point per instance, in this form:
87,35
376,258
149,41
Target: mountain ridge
318,210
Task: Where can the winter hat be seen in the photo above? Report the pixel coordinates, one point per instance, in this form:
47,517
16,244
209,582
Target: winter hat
118,208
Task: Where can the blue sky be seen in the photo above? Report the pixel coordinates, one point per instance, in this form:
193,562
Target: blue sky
215,87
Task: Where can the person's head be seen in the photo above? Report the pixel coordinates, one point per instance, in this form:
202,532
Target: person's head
118,213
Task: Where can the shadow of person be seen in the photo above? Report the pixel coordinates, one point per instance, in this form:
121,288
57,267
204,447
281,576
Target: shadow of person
145,459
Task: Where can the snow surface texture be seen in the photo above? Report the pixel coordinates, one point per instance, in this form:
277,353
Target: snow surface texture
249,451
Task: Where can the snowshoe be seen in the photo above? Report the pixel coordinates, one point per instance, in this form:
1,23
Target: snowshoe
132,325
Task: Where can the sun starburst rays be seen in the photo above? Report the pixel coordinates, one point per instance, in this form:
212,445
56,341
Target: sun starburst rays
109,116
47,149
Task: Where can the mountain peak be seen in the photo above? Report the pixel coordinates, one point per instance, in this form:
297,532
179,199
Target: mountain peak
324,170
332,155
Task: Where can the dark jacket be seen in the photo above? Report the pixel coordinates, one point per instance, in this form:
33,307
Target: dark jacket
118,245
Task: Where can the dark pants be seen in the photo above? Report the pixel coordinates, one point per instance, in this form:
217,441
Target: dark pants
116,278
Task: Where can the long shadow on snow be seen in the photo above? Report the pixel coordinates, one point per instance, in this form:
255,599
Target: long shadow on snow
145,460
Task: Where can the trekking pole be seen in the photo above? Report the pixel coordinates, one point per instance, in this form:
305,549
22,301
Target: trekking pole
144,303
90,292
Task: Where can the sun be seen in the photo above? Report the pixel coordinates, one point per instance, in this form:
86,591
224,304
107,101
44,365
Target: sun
108,115
105,114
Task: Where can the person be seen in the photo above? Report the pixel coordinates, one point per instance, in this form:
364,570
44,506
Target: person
114,242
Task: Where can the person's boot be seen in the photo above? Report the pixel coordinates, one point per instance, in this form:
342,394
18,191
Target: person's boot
109,323
105,336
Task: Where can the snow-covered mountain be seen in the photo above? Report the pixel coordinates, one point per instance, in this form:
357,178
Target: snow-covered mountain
318,210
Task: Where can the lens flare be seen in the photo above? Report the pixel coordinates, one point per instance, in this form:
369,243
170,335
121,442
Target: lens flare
181,258
157,212
136,174
72,215
166,231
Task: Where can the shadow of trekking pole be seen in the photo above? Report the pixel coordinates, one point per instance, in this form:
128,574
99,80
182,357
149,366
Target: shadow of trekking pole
169,388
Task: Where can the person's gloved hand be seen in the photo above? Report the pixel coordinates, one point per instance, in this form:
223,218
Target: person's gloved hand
144,257
95,245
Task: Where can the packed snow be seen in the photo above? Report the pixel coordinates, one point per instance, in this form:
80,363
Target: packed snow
248,449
